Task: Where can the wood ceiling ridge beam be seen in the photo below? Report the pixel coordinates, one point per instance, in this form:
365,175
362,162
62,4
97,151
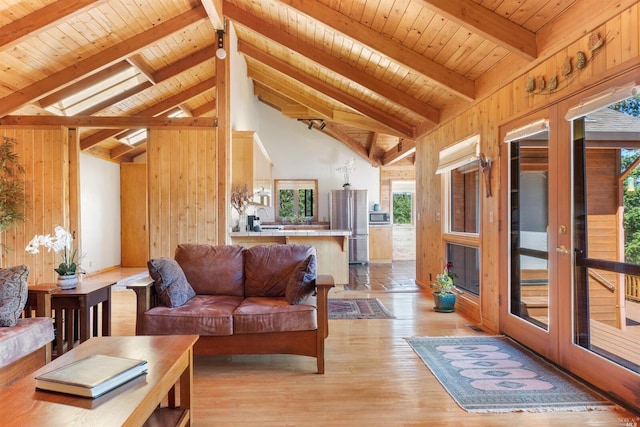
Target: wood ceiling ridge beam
43,19
339,67
99,61
437,73
324,88
154,110
114,122
487,24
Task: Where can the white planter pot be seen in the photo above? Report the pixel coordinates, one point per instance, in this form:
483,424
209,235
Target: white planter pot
69,281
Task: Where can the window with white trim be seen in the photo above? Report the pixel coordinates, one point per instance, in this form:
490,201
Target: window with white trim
460,168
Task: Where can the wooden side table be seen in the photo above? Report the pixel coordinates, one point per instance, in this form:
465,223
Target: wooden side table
73,310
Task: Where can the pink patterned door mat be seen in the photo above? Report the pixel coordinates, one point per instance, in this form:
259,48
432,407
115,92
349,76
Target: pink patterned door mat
495,374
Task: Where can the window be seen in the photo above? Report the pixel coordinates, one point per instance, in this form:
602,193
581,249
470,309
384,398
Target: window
464,188
296,199
466,265
460,169
402,208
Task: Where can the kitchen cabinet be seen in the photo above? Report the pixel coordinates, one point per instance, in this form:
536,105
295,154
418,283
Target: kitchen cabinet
251,165
380,243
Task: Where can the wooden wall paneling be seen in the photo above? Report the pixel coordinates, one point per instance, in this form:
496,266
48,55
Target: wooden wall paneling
508,102
44,154
74,224
182,184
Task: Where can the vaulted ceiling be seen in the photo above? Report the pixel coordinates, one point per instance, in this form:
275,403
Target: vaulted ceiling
373,74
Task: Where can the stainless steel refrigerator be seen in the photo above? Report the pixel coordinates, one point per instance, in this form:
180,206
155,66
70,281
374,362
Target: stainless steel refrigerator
350,211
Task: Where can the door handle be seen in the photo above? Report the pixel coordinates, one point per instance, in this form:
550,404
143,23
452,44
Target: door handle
562,250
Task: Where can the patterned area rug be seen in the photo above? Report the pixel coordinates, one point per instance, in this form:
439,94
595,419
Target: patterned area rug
495,374
357,308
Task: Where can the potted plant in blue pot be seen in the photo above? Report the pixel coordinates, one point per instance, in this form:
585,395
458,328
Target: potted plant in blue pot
444,296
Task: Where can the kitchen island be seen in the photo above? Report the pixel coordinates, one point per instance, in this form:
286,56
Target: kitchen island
332,247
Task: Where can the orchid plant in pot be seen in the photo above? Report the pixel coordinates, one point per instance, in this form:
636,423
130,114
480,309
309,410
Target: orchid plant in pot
444,296
61,243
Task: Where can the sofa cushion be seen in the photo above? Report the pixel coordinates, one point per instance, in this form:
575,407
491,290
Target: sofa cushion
170,282
24,338
13,294
264,314
267,268
302,281
213,270
201,315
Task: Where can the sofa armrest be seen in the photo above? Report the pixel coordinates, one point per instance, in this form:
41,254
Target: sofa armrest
324,283
146,299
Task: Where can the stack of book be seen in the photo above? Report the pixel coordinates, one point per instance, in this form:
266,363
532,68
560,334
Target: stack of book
92,376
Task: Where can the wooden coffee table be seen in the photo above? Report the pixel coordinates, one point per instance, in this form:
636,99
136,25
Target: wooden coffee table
170,362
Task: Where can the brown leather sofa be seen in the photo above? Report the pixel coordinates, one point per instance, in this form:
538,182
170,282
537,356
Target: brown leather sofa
259,300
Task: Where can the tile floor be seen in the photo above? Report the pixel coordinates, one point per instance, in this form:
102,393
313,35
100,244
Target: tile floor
397,276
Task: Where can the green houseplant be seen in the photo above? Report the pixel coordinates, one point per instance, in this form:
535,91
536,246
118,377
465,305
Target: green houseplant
444,296
13,199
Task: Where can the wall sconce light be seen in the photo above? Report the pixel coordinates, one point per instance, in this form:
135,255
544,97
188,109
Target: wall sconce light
486,164
220,52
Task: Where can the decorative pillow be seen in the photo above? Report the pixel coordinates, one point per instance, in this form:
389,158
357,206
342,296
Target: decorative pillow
13,293
301,282
170,282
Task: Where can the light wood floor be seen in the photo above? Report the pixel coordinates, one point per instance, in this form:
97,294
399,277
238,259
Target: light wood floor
372,377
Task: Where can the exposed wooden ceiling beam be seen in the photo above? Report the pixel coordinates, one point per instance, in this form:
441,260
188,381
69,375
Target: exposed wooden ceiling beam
115,122
269,96
487,24
439,74
141,65
43,19
97,62
398,152
362,122
325,89
335,132
320,111
154,110
214,11
374,143
330,62
281,87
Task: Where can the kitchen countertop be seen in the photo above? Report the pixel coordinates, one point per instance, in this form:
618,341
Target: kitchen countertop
276,233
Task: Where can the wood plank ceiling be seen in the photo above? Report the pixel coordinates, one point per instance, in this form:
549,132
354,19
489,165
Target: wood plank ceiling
374,74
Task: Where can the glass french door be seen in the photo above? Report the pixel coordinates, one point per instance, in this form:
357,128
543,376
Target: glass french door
607,232
571,286
533,227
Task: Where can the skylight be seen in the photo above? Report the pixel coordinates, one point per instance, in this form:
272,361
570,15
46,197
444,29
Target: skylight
99,92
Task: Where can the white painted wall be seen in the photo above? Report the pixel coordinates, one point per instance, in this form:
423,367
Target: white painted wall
300,153
296,152
244,115
100,213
